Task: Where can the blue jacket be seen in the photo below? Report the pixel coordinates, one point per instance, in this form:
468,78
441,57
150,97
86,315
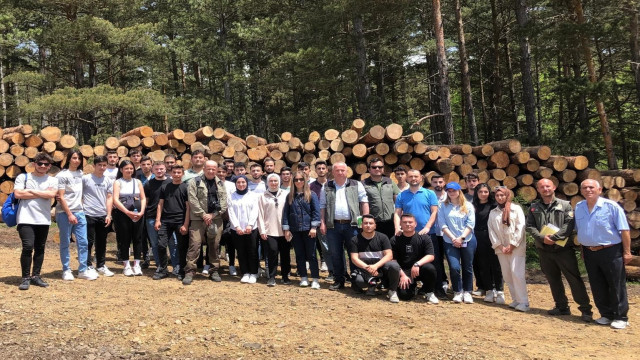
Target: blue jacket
301,215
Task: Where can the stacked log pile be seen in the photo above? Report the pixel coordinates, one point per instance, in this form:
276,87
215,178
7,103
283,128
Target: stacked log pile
503,162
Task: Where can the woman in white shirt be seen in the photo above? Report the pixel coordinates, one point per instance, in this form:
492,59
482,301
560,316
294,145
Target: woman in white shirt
243,217
270,206
507,235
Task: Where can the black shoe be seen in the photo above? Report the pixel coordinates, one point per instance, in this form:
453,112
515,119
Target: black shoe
286,281
188,278
586,317
24,285
145,264
440,294
37,280
336,286
176,271
557,311
160,275
215,277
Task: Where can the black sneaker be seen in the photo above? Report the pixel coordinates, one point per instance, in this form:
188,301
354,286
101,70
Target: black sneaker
188,278
557,311
37,280
587,317
215,276
286,281
336,286
160,275
145,264
24,285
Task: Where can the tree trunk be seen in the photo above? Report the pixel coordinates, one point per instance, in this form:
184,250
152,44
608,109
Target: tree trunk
466,79
2,92
525,68
635,47
443,72
363,90
496,80
512,91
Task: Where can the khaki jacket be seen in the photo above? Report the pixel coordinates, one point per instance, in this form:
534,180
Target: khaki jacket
198,195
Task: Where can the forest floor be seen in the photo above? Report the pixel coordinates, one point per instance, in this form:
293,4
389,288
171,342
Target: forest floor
122,317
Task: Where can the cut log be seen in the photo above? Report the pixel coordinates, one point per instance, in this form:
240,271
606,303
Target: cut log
380,149
633,272
527,193
286,136
357,125
634,219
12,171
512,170
240,157
257,154
568,189
375,135
293,157
456,159
589,174
111,143
295,144
483,150
567,175
577,162
451,177
323,144
431,156
33,141
205,149
464,169
148,142
391,159
13,138
336,158
6,159
31,152
525,180
130,141
462,149
443,152
420,148
309,159
400,147
21,160
541,153
224,135
161,139
443,166
255,141
543,173
521,157
628,205
86,150
416,163
349,137
359,151
393,132
122,151
575,200
499,160
204,133
309,147
51,133
483,176
510,146
142,131
337,145
314,137
482,164
470,159
498,174
4,146
6,187
631,176
324,155
99,150
531,166
609,182
414,138
331,134
510,182
556,162
276,154
228,152
630,194
190,139
16,150
176,134
281,146
493,183
613,194
360,168
157,155
554,180
22,129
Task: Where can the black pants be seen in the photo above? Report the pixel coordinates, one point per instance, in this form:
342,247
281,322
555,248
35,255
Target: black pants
488,265
386,227
389,273
608,281
272,247
34,239
183,249
247,252
427,276
97,234
128,232
228,238
556,264
438,261
164,234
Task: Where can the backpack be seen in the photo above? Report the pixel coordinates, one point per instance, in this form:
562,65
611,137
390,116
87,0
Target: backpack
10,207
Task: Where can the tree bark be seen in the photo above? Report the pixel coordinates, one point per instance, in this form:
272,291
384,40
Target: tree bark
635,47
528,97
363,90
443,69
496,80
2,92
466,79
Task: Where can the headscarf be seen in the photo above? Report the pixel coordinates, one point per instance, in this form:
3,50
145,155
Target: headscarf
235,181
269,178
506,207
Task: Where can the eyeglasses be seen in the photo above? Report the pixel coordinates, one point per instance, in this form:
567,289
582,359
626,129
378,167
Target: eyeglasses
377,167
44,164
298,180
499,187
276,201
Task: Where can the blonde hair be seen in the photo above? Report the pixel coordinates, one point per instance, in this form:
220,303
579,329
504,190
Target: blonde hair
305,187
463,202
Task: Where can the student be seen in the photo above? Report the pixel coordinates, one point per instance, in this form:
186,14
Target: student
152,191
401,177
256,185
145,172
197,166
270,206
169,163
243,216
285,178
135,156
35,192
227,232
70,217
97,200
112,165
322,245
229,165
130,202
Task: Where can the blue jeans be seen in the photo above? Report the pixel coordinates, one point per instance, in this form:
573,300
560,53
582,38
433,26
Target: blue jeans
326,254
337,238
305,249
153,238
80,231
461,261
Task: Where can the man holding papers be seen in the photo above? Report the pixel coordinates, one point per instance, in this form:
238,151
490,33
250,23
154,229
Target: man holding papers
550,221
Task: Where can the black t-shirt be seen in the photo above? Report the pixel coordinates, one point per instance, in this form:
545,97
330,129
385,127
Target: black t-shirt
152,192
408,250
212,193
175,198
482,216
369,251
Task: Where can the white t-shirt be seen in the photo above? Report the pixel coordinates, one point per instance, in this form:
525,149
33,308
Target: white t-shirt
71,183
35,211
94,194
111,173
257,188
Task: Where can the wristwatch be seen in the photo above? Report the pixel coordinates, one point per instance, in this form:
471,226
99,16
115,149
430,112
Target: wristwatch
462,238
416,265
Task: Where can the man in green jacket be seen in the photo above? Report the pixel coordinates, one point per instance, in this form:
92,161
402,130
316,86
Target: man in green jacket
381,192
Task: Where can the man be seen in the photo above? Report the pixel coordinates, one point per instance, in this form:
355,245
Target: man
285,178
414,253
370,252
35,192
144,174
135,156
555,251
342,201
227,234
229,165
401,177
437,183
172,223
382,193
321,243
471,180
169,163
269,167
112,165
306,169
603,231
207,203
152,191
420,202
256,184
239,168
97,201
197,164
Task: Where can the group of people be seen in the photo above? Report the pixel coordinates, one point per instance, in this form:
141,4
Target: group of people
395,235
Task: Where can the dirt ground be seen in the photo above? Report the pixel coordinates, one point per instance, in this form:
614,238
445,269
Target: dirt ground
122,317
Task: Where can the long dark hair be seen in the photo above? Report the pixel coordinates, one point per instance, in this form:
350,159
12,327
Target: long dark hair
305,189
124,163
70,155
476,200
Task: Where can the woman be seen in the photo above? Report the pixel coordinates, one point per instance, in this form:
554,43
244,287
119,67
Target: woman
457,219
488,264
130,202
71,219
300,220
270,206
243,217
507,234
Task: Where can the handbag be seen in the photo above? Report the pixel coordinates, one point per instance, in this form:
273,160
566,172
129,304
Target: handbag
131,202
10,207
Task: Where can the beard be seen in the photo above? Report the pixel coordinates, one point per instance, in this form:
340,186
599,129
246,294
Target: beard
438,188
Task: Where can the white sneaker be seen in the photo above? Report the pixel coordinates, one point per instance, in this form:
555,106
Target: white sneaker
323,266
499,299
445,286
619,324
205,270
457,297
137,271
603,321
513,305
67,275
432,299
393,296
93,271
478,292
233,271
315,284
127,271
522,307
466,297
105,271
245,278
491,295
253,278
87,275
304,282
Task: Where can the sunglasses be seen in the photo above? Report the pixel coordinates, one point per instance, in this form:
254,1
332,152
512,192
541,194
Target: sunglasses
377,167
298,180
276,201
499,187
42,164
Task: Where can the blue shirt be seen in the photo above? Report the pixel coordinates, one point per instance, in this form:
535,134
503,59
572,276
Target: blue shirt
450,217
603,225
419,205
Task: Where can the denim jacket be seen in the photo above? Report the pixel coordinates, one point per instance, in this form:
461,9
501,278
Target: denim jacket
301,215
